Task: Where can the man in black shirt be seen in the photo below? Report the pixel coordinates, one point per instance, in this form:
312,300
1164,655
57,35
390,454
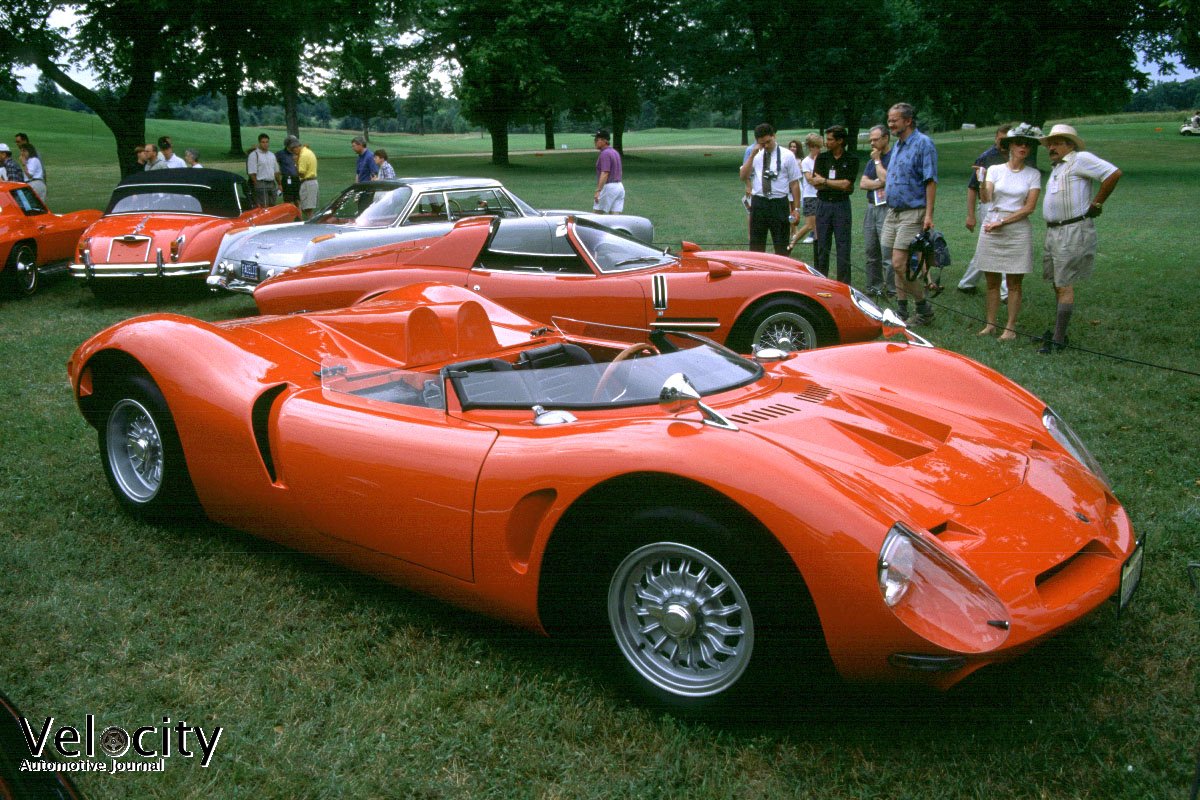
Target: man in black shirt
833,175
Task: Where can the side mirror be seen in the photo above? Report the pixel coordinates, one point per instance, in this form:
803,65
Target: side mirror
680,394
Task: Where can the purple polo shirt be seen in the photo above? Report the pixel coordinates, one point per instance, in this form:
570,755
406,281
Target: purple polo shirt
610,162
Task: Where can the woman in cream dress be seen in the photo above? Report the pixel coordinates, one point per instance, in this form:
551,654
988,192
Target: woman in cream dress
1005,249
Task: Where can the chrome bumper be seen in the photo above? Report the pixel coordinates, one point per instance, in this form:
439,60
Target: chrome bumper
219,283
90,270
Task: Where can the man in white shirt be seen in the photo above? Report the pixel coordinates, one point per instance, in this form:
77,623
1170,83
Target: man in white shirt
167,150
263,169
1070,209
775,177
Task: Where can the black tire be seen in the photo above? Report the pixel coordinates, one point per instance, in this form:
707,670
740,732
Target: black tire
21,276
695,618
783,324
142,456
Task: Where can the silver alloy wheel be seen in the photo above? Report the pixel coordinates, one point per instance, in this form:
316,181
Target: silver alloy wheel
680,619
785,330
135,450
26,275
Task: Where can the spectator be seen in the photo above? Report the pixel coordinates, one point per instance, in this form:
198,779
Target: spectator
996,154
288,173
775,176
1070,209
167,150
834,175
263,170
385,172
1005,249
911,192
808,192
20,139
794,235
365,169
10,168
880,281
609,197
35,174
191,157
154,159
306,169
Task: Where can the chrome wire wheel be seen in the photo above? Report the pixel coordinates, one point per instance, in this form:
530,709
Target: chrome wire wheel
785,330
135,450
680,620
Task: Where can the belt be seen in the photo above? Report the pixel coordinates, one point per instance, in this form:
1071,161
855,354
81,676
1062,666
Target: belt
306,180
1070,221
782,197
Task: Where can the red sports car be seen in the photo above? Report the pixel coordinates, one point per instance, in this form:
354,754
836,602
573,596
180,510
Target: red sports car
718,524
588,271
168,224
31,237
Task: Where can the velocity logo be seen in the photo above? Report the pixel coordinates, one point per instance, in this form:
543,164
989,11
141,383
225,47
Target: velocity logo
153,744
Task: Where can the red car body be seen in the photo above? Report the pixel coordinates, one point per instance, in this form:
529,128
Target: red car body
32,237
737,298
168,224
911,513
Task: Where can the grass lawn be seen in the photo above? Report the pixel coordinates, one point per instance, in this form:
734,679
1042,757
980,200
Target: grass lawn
332,685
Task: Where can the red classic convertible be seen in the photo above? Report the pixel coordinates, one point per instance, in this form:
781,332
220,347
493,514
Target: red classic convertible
168,224
588,271
718,525
31,237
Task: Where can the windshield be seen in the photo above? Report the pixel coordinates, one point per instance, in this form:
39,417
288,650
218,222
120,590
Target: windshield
595,374
365,207
615,252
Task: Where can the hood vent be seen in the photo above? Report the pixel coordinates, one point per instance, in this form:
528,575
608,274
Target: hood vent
763,414
814,394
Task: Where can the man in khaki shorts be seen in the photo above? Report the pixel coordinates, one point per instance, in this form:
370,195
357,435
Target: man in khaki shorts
911,191
1070,210
306,168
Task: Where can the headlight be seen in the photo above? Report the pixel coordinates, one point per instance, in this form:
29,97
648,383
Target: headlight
224,267
937,597
1071,442
866,305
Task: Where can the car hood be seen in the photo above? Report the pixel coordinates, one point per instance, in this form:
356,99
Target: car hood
281,245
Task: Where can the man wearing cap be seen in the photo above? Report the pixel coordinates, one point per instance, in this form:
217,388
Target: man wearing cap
1070,209
610,192
168,153
10,168
774,179
306,170
365,169
263,170
287,171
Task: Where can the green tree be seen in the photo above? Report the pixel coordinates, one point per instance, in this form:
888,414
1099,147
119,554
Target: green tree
362,81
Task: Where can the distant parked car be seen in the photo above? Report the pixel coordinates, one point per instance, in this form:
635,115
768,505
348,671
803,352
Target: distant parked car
167,224
368,215
588,271
32,238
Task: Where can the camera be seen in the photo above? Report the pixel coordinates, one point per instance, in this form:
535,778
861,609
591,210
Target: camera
770,174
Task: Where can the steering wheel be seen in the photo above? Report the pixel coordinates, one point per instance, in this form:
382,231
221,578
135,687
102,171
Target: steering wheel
456,207
611,370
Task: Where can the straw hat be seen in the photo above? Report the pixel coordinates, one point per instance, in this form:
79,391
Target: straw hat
1064,132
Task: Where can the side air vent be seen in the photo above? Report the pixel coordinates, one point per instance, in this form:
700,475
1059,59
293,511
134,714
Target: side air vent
260,416
763,414
814,394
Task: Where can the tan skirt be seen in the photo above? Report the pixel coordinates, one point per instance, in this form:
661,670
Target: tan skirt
1008,249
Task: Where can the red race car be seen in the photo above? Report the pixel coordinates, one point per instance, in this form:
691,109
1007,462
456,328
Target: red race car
719,526
31,238
588,271
167,224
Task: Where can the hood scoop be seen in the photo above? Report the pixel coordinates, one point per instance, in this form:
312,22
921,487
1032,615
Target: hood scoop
763,413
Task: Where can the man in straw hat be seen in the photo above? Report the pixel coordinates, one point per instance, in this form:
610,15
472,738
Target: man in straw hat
1070,209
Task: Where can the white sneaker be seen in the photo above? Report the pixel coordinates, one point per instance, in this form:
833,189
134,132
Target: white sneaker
808,240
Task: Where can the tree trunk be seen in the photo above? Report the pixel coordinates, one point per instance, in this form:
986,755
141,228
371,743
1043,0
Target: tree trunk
548,127
288,82
619,116
745,129
235,120
498,127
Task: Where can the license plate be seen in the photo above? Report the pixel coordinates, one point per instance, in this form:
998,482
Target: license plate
250,270
1131,576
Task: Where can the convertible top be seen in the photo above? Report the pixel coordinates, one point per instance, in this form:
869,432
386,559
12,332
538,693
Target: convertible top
211,191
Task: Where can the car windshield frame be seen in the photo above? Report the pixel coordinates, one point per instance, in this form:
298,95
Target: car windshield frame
614,252
394,200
